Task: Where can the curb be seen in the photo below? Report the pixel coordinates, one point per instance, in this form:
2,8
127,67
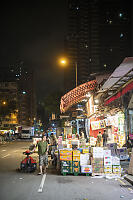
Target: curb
128,179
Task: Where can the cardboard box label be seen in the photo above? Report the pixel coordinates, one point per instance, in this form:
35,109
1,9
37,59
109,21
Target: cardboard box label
86,169
67,158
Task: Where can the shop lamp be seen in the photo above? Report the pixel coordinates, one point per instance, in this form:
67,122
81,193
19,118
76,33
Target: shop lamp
96,101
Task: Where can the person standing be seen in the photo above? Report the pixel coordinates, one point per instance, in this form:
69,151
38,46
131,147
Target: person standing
105,137
43,155
99,139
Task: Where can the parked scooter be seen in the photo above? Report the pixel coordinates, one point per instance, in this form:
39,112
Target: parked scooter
28,164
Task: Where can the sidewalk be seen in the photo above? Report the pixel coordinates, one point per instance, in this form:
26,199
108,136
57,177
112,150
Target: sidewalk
125,166
129,178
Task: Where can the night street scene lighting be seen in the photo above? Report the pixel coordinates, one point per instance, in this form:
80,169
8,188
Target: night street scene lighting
66,100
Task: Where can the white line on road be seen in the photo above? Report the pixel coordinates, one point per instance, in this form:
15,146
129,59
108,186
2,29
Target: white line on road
42,183
6,156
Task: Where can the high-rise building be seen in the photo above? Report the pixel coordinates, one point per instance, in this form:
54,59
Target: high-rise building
98,37
23,76
8,105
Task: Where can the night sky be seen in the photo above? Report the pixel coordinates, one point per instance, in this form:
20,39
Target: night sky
34,33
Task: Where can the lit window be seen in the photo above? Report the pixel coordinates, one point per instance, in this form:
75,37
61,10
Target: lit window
24,92
111,49
105,65
77,8
121,35
110,21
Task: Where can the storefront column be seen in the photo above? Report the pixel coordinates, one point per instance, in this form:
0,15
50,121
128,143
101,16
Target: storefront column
77,126
126,124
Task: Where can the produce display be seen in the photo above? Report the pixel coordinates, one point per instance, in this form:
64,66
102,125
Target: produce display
90,161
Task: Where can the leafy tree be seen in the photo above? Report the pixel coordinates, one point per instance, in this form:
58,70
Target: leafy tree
52,103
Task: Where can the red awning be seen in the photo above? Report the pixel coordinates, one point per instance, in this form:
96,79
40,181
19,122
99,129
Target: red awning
126,89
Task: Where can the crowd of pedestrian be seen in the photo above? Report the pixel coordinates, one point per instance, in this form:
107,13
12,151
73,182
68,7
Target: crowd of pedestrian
6,137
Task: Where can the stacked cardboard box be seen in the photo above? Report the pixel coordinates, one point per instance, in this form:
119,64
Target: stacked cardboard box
76,161
113,148
107,162
76,166
76,155
85,163
84,159
117,169
85,150
97,152
86,169
122,153
97,161
66,155
66,167
97,166
111,163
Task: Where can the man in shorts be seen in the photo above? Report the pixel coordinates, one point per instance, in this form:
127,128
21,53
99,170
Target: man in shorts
43,155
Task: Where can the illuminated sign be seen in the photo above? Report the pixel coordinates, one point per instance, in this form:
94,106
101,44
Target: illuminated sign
76,95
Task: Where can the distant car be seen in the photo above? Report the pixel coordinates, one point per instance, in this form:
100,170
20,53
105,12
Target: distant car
25,134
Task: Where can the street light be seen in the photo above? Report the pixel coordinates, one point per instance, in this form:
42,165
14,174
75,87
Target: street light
4,102
64,62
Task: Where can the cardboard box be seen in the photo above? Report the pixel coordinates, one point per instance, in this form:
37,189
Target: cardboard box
76,164
124,157
108,169
107,160
98,155
86,169
112,146
65,153
66,170
76,153
97,165
97,169
97,150
76,158
66,158
84,159
115,160
85,151
66,163
98,161
107,152
116,169
76,170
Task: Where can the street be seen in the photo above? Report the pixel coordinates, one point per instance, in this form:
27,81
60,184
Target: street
15,185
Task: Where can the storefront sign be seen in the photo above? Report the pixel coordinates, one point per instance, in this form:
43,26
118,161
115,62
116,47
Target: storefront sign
95,125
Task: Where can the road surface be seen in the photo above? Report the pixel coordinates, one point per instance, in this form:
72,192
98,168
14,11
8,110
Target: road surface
22,186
